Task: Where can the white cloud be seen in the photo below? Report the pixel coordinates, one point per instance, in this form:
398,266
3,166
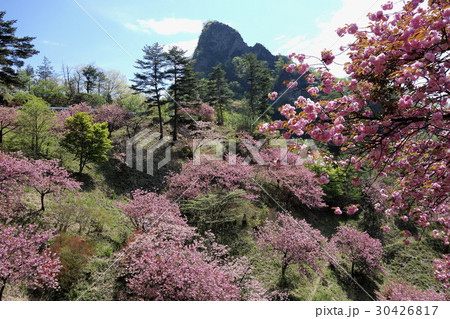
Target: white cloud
291,43
134,27
169,26
281,37
56,44
350,12
188,46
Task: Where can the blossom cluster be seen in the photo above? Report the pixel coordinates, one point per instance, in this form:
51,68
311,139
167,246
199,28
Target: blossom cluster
394,115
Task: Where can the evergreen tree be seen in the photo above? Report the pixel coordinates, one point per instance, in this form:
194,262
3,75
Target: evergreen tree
45,70
177,62
91,75
189,84
257,75
12,51
150,81
218,92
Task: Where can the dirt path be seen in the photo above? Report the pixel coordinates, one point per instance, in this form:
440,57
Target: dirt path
315,286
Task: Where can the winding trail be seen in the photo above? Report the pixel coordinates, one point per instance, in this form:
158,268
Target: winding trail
315,286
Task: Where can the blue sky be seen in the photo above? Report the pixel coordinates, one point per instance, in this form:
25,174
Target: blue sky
66,33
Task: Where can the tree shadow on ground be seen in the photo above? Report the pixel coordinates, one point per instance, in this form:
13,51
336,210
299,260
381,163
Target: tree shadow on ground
87,181
122,179
360,288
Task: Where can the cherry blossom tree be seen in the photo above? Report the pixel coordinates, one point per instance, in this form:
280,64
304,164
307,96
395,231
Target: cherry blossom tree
401,291
206,112
114,115
18,172
26,259
8,118
15,173
50,178
152,213
63,115
284,171
168,260
295,241
442,270
238,268
156,269
357,248
395,118
212,175
203,111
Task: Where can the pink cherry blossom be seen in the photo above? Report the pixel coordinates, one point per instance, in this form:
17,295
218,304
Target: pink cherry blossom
401,291
25,258
272,96
352,210
323,179
294,241
357,248
327,57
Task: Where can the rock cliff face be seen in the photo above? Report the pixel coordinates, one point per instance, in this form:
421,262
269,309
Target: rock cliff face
220,43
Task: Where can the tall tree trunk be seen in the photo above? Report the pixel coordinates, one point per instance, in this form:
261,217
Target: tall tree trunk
161,132
220,115
42,202
175,122
81,165
2,289
283,270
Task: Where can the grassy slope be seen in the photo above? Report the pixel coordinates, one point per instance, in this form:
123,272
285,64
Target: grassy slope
112,181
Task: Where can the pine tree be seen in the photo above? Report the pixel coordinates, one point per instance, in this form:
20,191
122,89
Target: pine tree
177,62
92,75
189,84
13,51
257,75
152,77
218,92
45,70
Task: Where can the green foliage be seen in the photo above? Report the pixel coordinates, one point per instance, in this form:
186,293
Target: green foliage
92,75
20,98
86,140
257,75
92,99
133,103
214,209
50,92
151,78
240,122
97,281
45,71
13,51
339,191
35,122
218,93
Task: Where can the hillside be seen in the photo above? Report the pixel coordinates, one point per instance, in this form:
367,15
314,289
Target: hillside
182,188
220,43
